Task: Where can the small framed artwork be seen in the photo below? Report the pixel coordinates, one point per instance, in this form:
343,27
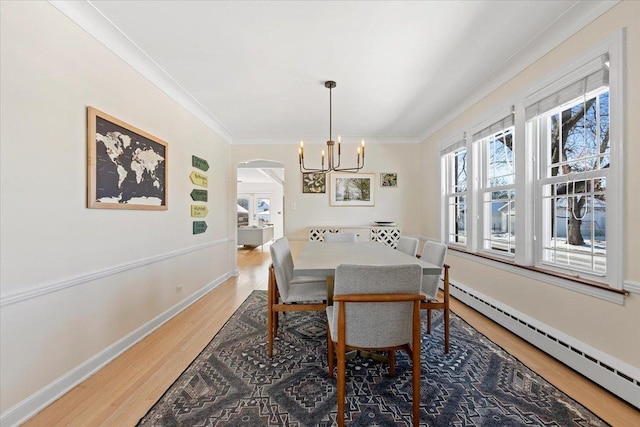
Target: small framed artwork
126,167
388,179
352,189
313,182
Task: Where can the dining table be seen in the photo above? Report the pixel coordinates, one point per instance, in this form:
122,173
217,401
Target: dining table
321,259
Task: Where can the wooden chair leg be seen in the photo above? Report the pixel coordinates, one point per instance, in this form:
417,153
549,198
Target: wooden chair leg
330,353
392,362
446,308
428,320
446,330
272,316
415,355
342,383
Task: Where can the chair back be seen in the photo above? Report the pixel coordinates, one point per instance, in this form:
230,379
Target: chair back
408,245
377,325
433,253
340,237
278,251
288,258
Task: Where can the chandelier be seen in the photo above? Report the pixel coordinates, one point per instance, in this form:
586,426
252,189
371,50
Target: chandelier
333,163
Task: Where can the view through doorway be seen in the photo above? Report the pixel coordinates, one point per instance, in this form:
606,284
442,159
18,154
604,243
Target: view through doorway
260,195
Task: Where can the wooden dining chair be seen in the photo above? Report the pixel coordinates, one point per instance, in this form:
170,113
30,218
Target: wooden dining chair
375,308
434,253
287,292
408,245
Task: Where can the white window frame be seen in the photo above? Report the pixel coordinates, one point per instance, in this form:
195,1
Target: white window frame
542,200
527,163
496,123
571,72
448,151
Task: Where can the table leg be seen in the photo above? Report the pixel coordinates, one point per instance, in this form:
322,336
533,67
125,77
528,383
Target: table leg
329,290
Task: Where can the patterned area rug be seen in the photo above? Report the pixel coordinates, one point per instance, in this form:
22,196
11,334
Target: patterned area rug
233,382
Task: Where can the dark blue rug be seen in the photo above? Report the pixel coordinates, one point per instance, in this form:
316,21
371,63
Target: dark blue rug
233,382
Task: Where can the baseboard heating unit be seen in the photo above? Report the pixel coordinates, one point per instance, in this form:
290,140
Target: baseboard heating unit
618,377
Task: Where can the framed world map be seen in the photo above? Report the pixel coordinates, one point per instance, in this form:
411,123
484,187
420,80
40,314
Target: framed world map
126,168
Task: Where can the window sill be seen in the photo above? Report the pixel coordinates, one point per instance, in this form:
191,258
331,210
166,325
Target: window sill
587,287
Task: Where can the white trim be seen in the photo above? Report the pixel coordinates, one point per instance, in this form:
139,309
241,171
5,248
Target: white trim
85,15
631,286
602,294
14,297
605,370
54,390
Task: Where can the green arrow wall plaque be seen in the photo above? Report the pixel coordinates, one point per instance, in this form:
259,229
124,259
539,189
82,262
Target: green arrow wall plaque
199,163
199,227
199,195
199,179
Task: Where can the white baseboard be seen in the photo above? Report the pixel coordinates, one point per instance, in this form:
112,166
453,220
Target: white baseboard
618,377
47,395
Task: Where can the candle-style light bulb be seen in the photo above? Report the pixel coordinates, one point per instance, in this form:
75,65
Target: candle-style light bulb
323,158
339,142
363,149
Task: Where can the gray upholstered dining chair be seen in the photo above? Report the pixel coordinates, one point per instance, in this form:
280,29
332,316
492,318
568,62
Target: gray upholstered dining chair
340,237
287,292
434,253
363,295
408,245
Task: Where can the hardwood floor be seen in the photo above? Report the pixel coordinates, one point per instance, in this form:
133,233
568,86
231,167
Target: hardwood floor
123,391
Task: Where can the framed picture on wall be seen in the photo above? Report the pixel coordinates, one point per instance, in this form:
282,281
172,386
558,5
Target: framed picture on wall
388,179
314,182
126,167
352,189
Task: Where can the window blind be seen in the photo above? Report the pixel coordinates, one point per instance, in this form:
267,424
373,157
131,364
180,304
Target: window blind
595,75
453,147
498,126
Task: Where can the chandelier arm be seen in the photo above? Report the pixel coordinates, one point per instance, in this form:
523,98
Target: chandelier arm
354,169
304,169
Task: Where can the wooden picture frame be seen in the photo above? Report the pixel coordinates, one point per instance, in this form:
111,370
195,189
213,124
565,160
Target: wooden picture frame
352,189
126,167
388,179
314,182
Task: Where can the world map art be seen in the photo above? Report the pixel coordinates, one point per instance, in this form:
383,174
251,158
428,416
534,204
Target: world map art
130,169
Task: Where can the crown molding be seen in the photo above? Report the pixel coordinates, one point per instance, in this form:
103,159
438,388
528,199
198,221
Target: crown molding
573,20
87,17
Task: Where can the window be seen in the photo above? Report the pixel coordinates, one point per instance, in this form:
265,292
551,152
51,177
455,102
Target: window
496,192
454,165
254,209
575,161
557,157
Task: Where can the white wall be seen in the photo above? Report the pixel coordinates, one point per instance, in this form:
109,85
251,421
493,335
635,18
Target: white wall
77,283
608,327
400,204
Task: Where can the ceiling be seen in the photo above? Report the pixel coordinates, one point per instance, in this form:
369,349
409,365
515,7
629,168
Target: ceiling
254,71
